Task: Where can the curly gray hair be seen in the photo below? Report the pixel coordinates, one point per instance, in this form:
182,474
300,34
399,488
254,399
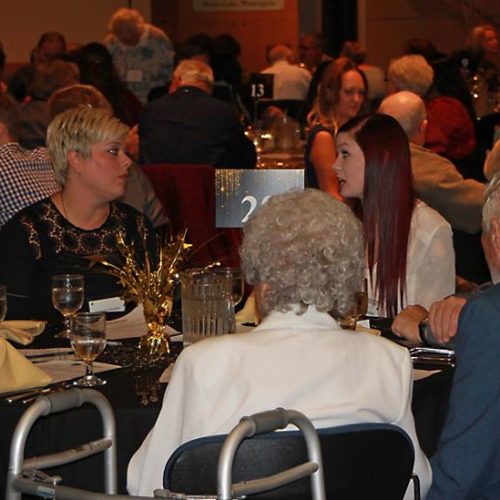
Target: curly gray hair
308,248
411,73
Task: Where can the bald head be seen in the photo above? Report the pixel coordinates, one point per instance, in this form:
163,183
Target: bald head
194,73
409,110
280,53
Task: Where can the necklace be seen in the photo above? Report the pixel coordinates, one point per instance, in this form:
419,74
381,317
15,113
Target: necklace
65,212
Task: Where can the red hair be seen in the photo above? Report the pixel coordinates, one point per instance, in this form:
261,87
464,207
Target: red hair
388,202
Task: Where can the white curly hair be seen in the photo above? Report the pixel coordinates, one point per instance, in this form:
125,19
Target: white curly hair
308,248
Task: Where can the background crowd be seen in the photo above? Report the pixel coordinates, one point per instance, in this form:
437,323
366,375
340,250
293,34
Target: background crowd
401,156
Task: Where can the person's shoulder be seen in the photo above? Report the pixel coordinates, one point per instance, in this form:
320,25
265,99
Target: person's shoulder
30,213
488,297
427,216
110,41
154,31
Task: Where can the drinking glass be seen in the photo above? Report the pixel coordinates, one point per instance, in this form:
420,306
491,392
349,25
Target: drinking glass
67,298
235,276
88,340
3,302
206,305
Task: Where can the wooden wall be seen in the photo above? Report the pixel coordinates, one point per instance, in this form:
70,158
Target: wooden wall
385,25
255,30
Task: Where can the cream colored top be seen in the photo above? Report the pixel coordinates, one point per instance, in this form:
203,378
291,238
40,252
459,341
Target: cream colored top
430,264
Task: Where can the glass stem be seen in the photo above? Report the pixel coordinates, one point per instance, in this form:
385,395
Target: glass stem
67,325
89,369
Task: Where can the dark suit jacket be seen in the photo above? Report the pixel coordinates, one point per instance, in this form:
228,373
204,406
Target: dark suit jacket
190,126
467,462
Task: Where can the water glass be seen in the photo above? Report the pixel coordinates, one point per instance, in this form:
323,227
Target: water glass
3,302
207,307
88,340
67,298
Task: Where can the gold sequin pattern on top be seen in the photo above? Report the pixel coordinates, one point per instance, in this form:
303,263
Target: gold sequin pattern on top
67,238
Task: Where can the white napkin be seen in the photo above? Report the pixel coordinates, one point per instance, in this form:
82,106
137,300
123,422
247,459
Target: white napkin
249,312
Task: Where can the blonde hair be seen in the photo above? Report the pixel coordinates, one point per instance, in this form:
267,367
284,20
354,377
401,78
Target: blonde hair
78,129
324,107
127,23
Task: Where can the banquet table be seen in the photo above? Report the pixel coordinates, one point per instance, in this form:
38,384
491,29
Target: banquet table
135,395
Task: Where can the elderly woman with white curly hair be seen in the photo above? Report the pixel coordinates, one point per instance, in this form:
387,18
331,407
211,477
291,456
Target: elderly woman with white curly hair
303,252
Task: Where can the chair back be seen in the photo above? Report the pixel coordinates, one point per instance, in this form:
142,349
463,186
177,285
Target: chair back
359,460
187,193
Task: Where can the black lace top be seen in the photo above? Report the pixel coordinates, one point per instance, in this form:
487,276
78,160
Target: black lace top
39,243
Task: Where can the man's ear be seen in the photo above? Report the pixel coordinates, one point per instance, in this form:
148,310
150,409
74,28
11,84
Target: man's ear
495,236
423,127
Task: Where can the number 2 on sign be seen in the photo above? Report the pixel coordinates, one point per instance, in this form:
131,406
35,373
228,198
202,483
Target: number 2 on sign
253,205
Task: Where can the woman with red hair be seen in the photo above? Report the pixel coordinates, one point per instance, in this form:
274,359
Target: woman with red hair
408,245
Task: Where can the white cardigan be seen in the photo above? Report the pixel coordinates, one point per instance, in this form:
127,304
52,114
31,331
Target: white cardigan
305,363
430,261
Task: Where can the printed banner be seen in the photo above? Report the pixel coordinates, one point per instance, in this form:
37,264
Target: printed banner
236,5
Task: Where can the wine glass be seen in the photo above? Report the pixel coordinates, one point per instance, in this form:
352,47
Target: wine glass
67,298
3,302
88,340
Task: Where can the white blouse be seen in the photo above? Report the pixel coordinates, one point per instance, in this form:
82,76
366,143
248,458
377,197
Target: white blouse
430,261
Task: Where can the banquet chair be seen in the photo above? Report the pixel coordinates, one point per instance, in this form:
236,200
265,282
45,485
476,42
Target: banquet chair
187,193
218,460
369,460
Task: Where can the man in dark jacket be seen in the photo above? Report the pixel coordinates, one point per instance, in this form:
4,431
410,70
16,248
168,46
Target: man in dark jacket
190,126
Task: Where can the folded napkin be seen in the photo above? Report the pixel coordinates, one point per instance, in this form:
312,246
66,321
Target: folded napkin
249,312
21,331
18,373
361,328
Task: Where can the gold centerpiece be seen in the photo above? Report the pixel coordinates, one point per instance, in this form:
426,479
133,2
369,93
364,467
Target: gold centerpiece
149,281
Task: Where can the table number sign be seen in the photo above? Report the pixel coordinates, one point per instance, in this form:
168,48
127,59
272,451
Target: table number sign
240,192
261,86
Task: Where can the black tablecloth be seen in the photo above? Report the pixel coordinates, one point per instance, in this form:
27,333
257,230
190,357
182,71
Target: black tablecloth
136,396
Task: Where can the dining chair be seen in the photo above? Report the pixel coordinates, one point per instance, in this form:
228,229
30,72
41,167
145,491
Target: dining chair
369,460
187,193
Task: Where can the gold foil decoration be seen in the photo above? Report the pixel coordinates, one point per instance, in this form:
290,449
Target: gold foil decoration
149,281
